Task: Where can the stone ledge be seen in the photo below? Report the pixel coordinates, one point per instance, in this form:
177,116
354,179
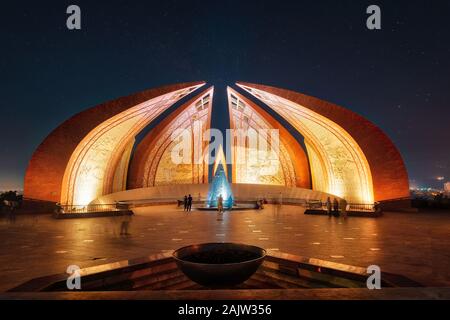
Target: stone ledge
289,294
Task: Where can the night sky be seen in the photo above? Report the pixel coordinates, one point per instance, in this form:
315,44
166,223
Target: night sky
398,78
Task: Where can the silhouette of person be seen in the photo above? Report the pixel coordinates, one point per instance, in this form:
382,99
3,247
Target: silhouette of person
185,203
329,206
377,207
280,199
12,212
335,207
220,204
125,225
189,203
230,203
261,204
343,205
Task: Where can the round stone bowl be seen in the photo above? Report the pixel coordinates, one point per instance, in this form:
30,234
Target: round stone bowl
219,265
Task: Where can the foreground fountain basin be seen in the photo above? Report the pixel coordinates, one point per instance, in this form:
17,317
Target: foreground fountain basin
219,264
281,276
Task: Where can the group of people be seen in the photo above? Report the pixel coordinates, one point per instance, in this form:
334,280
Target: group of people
9,207
260,203
187,201
336,208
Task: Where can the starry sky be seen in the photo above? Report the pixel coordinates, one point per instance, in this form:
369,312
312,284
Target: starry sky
397,77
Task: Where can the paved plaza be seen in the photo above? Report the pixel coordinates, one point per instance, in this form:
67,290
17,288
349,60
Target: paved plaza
416,245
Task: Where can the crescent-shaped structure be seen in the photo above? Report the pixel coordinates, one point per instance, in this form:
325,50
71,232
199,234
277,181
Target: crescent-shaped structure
98,156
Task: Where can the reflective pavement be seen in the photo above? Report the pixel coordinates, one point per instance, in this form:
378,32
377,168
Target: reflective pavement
416,245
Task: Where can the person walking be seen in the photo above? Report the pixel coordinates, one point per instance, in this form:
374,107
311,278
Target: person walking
377,208
12,212
343,205
280,199
189,203
329,207
335,207
230,203
185,202
219,208
220,204
124,227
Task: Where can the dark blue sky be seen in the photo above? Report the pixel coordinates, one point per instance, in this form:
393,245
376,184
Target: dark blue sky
398,77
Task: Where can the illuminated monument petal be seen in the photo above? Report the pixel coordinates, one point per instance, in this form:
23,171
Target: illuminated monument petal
85,156
349,156
289,167
152,163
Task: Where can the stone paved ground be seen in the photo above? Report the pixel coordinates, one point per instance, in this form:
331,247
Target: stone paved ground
416,245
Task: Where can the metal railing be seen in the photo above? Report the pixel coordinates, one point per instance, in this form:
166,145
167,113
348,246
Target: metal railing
274,200
361,207
122,206
351,207
90,208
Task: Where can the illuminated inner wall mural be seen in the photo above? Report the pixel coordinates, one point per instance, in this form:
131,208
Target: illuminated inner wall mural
152,163
287,165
